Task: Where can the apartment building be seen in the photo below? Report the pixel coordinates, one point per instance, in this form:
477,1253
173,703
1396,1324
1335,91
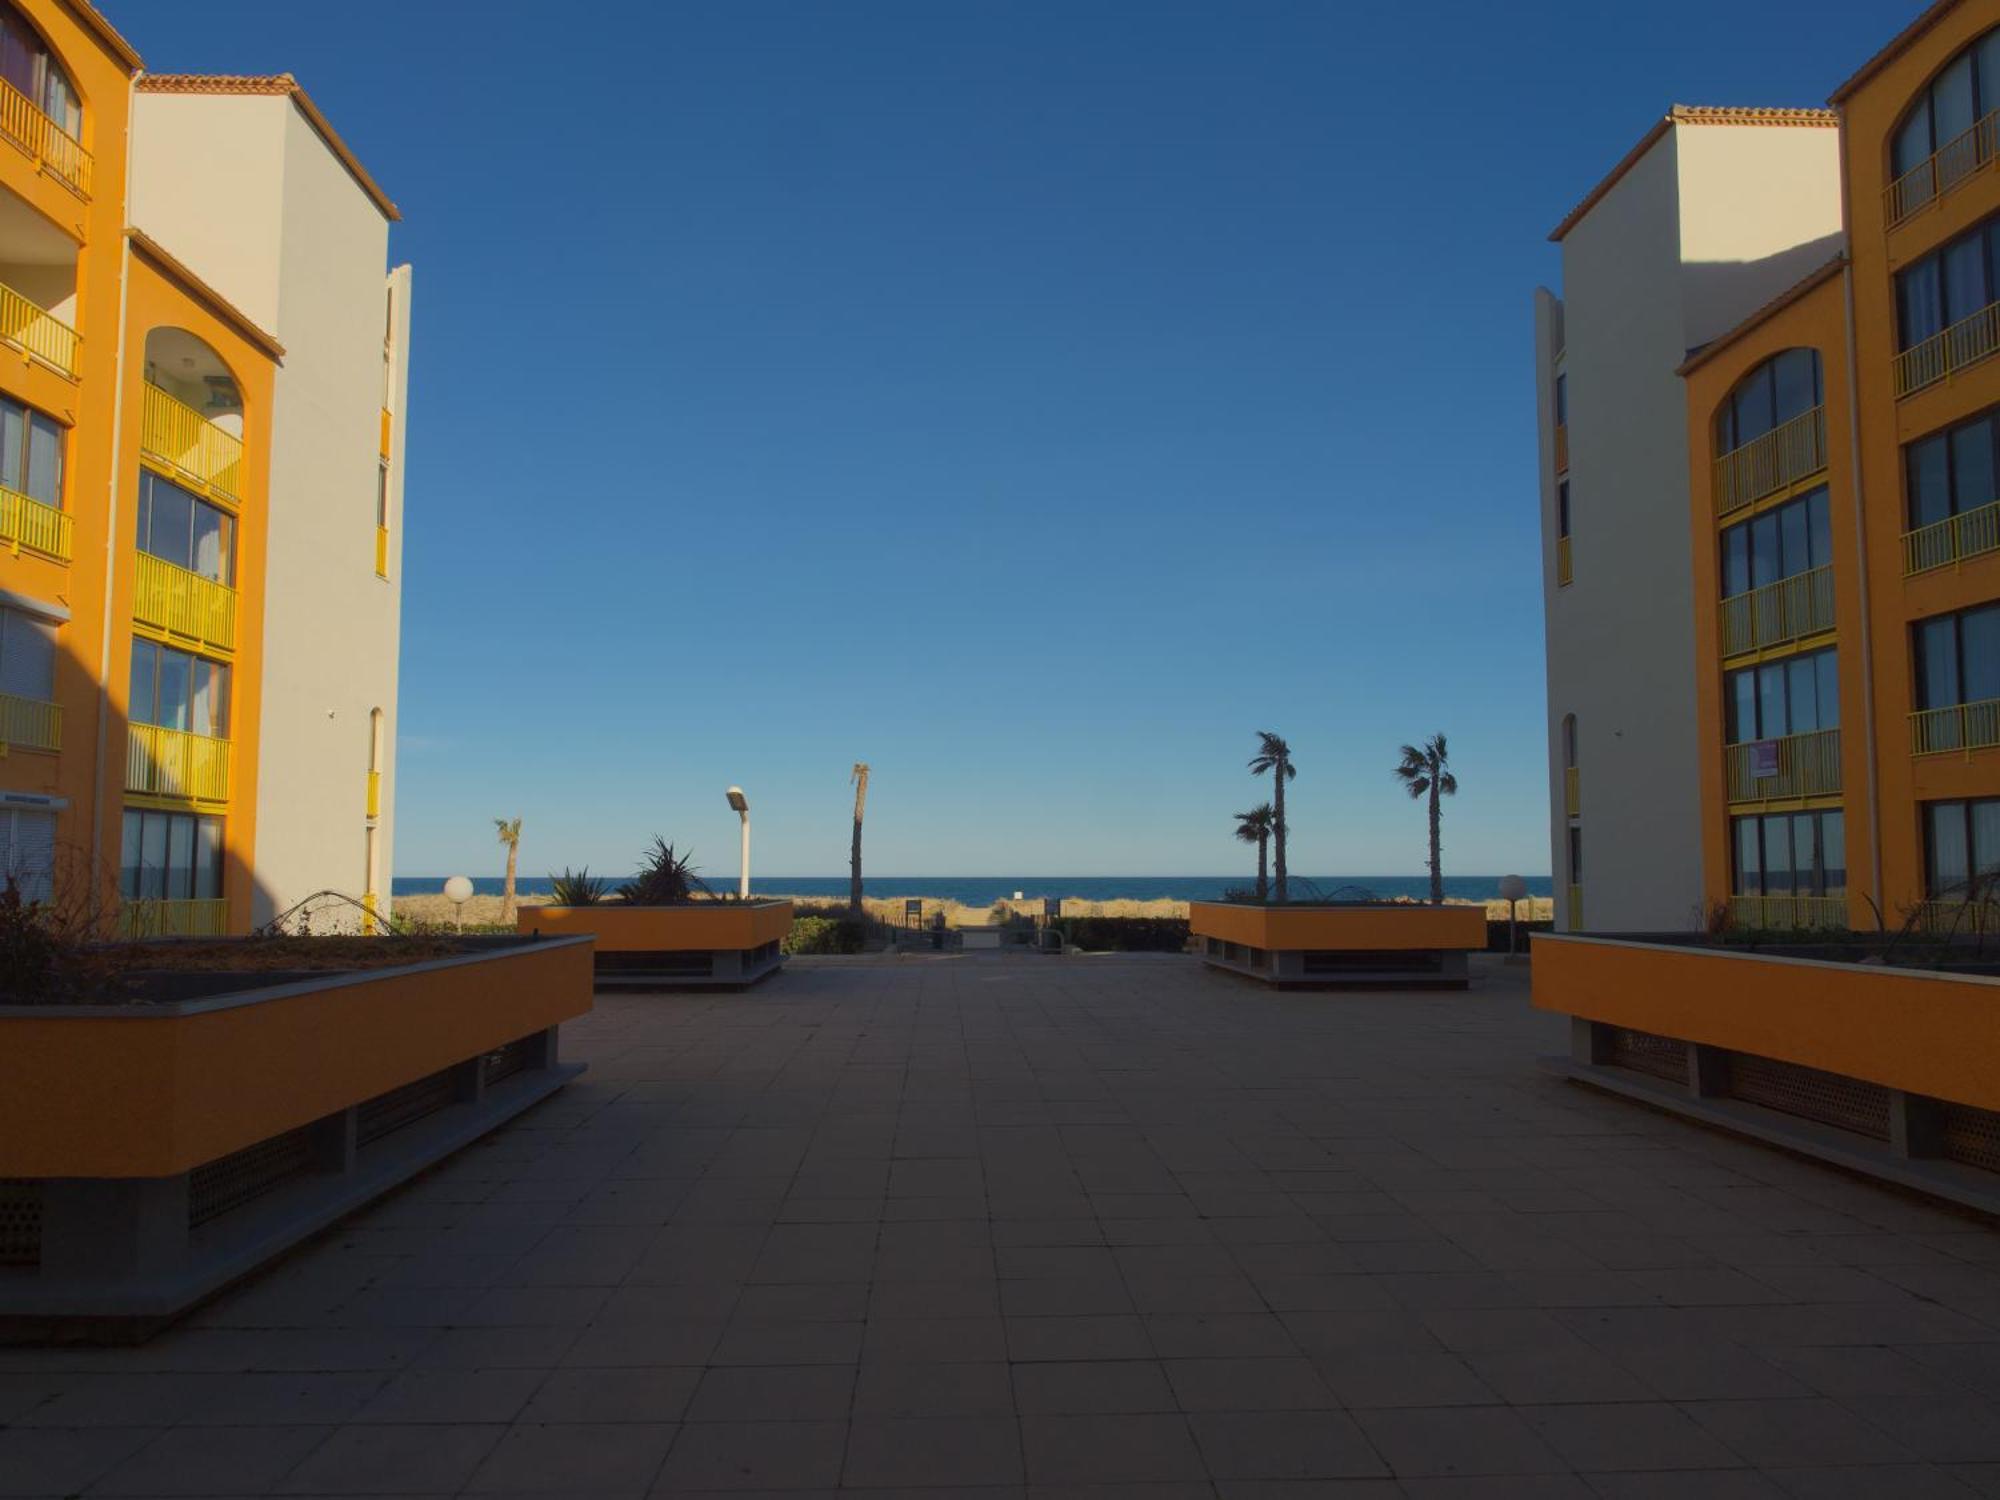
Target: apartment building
1843,529
200,480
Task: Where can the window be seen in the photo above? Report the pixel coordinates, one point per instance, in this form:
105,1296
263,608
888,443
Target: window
26,64
1575,855
176,690
188,532
27,656
382,496
170,857
1796,696
1789,854
1785,541
1948,285
1958,98
1569,740
31,453
1562,400
1785,386
1961,846
28,851
1562,507
1958,657
1953,471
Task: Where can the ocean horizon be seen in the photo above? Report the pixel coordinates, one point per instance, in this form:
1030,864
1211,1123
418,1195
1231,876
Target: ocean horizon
984,890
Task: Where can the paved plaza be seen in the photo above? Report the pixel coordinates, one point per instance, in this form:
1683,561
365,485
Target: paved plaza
1005,1225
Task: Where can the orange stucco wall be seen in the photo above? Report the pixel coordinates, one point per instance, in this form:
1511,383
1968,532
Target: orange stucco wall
1925,1033
1327,928
663,929
151,1095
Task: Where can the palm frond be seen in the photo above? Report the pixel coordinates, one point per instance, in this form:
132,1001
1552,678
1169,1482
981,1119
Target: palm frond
1416,786
1447,785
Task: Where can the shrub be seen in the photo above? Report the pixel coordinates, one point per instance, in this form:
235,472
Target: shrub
577,888
1126,934
825,934
664,879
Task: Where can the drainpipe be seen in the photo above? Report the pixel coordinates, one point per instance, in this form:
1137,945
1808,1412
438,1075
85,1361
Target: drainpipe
1860,539
112,532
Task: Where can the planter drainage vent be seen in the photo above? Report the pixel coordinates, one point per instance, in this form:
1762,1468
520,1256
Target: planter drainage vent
1642,1052
1371,961
231,1181
1825,1098
1967,1135
387,1113
516,1057
20,1222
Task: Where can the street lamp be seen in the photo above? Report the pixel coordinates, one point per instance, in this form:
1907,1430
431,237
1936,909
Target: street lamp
742,805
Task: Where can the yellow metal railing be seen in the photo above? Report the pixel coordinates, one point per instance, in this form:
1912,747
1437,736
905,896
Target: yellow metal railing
1787,913
1943,170
1966,534
374,794
1572,793
1562,447
1564,569
1764,466
1808,766
54,149
163,762
30,722
29,525
1787,610
169,597
36,331
1961,726
162,918
176,435
1966,342
1576,908
1943,918
381,552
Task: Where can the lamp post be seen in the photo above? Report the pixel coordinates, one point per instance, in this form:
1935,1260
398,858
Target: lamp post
742,805
458,891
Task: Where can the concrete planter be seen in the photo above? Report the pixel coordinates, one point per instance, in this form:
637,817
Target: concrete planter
1890,1071
150,1154
1375,945
707,945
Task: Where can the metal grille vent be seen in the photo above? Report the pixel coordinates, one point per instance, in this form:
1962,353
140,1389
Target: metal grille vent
516,1057
1971,1136
390,1112
1826,1098
231,1181
1643,1052
20,1222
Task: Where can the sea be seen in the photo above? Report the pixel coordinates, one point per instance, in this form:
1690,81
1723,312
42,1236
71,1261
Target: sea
984,890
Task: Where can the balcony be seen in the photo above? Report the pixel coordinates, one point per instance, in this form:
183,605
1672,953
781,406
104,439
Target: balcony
374,794
1808,765
186,605
1965,343
1572,793
381,552
1787,913
37,332
1778,613
1562,447
1576,908
1936,175
163,918
1964,918
1564,570
30,723
1951,540
180,439
53,149
1772,463
162,762
30,526
1960,726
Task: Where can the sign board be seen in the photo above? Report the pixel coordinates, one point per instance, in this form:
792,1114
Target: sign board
1763,759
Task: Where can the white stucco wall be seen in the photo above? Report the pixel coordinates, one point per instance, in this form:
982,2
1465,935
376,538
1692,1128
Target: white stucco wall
282,229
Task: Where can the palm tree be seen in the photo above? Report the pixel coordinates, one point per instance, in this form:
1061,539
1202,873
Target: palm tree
1254,827
510,835
1275,756
860,780
1426,771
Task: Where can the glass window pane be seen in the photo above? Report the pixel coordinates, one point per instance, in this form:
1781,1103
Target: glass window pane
180,858
1827,664
1740,703
142,704
1945,847
208,859
1562,508
207,541
1937,663
1913,141
1986,71
1797,553
45,446
172,523
1917,313
1749,879
1778,855
1972,466
13,445
128,859
1805,855
1929,478
153,857
27,657
1833,853
1575,855
1964,278
1796,374
1979,654
1819,521
1764,551
1735,561
1772,721
1951,101
176,689
1802,694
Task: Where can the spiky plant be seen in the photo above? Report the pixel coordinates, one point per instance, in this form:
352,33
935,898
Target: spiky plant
665,878
577,887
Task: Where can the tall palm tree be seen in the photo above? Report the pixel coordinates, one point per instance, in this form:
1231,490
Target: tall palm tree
1426,771
510,835
1275,756
860,780
1254,827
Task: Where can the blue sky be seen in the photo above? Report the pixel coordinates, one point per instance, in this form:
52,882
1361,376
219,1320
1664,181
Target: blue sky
1031,399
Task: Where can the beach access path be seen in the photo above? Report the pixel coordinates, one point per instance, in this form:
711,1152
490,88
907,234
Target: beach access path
1006,1225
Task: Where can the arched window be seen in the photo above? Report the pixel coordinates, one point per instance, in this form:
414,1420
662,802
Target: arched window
27,64
1962,94
1785,386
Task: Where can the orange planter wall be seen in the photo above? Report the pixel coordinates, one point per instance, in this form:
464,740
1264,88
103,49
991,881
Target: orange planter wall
1925,1033
147,1092
663,929
1328,928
